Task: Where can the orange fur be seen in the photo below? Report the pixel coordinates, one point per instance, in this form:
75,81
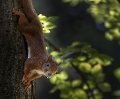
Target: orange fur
39,63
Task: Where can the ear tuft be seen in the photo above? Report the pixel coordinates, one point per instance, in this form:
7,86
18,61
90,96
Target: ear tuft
50,57
59,63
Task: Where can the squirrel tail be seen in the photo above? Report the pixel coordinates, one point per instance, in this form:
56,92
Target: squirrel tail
28,9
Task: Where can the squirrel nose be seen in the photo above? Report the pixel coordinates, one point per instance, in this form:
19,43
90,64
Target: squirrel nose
47,77
49,74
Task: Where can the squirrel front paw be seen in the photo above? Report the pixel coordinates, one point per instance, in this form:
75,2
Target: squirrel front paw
16,12
26,87
26,83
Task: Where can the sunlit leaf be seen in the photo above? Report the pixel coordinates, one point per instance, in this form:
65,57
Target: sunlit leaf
85,87
75,44
80,94
63,75
92,61
85,67
108,25
54,79
54,53
58,60
96,69
46,23
46,30
42,18
117,73
97,94
49,25
76,83
81,58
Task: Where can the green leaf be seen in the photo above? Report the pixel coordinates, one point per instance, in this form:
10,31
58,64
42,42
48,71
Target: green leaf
74,2
91,84
106,60
98,95
80,94
66,94
42,18
63,75
55,79
85,67
81,58
117,93
75,63
46,23
99,77
74,44
117,73
109,36
49,25
76,83
105,87
63,85
58,60
96,69
45,30
92,61
107,24
54,53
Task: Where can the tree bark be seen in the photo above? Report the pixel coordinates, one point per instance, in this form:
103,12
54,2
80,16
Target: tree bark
12,54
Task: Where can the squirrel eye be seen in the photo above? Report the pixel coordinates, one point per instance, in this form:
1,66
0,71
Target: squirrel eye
47,64
56,72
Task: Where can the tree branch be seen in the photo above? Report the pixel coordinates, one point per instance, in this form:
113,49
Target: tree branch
52,45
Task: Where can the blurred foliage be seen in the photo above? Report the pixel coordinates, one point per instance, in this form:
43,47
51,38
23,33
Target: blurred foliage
87,61
104,11
89,64
117,73
72,2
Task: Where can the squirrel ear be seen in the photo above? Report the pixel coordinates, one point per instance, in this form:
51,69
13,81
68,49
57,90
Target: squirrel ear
50,57
59,63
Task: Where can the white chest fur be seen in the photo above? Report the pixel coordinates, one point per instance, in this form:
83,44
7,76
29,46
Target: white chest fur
37,71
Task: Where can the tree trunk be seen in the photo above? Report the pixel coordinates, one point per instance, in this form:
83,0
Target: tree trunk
12,54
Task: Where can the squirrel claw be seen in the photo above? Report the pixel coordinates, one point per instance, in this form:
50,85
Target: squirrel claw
26,87
15,11
25,82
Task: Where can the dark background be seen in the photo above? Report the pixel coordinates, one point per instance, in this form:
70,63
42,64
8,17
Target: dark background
75,24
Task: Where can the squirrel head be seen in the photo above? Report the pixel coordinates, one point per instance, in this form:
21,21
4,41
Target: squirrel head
50,67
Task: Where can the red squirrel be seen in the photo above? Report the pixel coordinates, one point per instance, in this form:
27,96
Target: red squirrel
39,63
